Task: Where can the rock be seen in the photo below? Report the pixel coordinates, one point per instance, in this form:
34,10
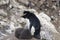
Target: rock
59,12
3,13
21,33
16,11
54,6
16,4
26,2
2,2
47,28
52,18
44,16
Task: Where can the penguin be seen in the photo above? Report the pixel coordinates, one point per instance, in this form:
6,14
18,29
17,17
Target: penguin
34,21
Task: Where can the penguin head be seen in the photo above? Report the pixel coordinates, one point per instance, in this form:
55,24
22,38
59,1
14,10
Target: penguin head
26,14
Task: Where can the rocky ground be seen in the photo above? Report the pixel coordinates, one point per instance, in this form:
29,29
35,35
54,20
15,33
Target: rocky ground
10,14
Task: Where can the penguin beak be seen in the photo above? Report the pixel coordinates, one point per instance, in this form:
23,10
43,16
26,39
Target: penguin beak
23,15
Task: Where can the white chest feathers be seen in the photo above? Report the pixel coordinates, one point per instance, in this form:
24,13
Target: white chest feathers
27,26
